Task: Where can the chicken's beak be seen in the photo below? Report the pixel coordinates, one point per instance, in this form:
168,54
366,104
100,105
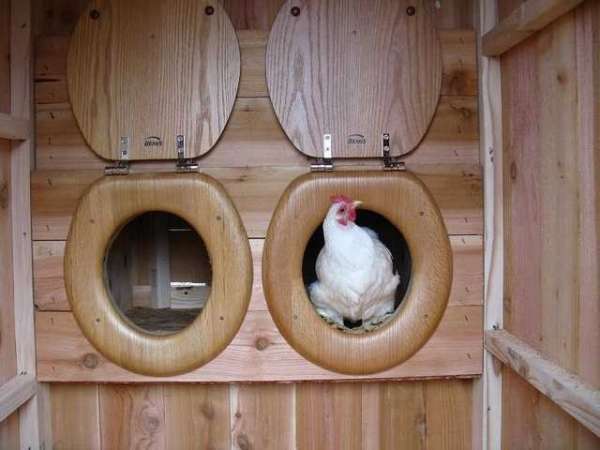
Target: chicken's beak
356,204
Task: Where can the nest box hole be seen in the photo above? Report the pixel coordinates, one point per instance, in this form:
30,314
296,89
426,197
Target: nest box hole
390,236
158,272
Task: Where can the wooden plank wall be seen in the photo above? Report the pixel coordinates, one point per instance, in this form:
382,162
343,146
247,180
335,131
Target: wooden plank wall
256,162
9,428
551,116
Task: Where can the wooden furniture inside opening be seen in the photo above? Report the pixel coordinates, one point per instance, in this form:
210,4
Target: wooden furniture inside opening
201,201
408,205
158,272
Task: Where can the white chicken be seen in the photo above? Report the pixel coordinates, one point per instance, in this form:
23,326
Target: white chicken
356,279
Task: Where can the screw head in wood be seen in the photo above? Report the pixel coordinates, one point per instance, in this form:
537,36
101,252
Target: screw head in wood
209,10
94,14
411,10
295,11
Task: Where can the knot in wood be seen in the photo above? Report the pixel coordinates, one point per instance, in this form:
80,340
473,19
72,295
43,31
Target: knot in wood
90,360
262,343
243,442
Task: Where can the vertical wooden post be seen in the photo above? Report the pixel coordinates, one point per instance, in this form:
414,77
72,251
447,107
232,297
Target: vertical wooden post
490,95
161,283
21,74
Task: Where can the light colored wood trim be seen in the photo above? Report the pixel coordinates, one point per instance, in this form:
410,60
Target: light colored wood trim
201,201
15,392
14,128
259,348
490,106
21,75
564,388
456,189
416,319
259,353
530,17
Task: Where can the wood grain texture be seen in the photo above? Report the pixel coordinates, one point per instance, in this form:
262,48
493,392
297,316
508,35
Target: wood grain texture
255,192
328,73
14,128
402,416
488,412
448,414
551,217
132,416
129,75
567,390
529,17
252,14
253,138
258,410
257,353
329,416
50,294
9,432
15,393
384,416
75,417
22,161
409,206
112,202
9,428
8,368
459,72
197,416
454,14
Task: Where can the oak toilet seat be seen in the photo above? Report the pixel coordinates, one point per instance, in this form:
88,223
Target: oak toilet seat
365,89
92,229
142,92
418,315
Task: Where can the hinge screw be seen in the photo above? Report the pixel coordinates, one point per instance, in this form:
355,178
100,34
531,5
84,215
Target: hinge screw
411,10
209,10
295,11
94,14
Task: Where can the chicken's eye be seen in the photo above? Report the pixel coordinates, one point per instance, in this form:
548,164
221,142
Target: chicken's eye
343,209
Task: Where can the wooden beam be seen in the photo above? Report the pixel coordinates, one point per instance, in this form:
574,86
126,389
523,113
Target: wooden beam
530,17
491,160
564,388
15,392
258,353
21,76
14,128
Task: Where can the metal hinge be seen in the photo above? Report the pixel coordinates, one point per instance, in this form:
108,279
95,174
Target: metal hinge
183,164
324,164
121,168
122,165
389,163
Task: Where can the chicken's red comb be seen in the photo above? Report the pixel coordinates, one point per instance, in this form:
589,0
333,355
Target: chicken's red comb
340,199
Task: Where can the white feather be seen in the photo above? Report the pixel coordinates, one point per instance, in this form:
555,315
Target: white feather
355,273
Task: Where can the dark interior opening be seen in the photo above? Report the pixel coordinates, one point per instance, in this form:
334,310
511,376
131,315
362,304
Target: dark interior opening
158,272
388,234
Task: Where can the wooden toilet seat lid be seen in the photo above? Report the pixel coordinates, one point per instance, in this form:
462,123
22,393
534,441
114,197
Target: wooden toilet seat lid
354,69
108,205
142,72
408,205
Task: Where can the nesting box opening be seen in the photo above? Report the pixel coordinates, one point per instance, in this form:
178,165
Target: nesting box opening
398,197
158,272
391,237
102,215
